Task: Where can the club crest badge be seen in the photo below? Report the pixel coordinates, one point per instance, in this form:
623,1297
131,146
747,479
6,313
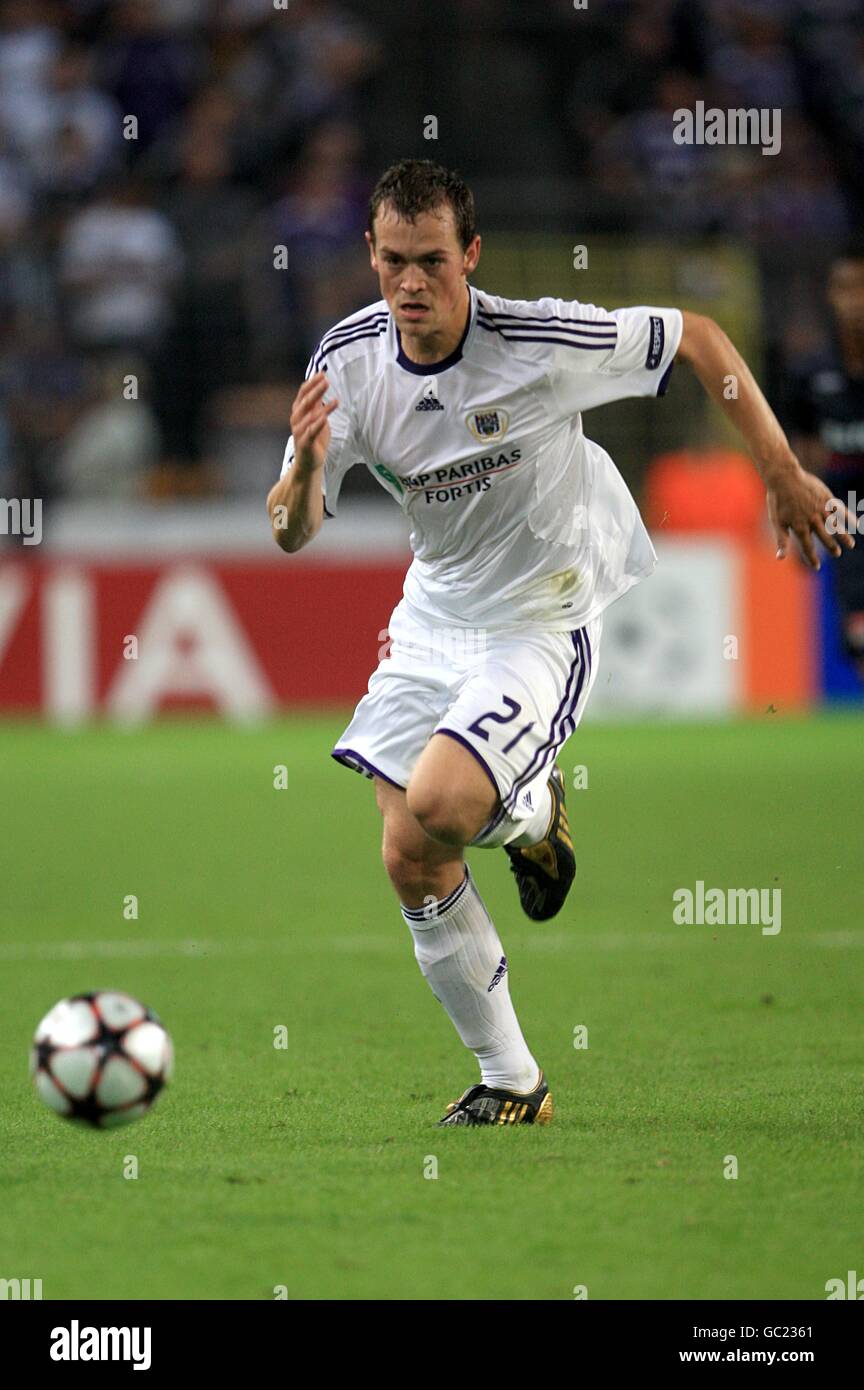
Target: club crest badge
488,425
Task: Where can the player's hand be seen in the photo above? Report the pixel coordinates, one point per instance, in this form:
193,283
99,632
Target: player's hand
309,427
801,503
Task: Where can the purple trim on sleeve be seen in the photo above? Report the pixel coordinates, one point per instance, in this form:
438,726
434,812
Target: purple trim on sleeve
664,380
549,318
591,343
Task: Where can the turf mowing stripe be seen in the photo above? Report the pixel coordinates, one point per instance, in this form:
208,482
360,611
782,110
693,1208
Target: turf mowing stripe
569,941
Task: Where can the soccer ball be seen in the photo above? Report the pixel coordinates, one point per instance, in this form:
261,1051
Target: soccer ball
102,1058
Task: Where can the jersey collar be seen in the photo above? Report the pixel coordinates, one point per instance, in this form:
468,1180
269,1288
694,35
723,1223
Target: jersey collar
433,368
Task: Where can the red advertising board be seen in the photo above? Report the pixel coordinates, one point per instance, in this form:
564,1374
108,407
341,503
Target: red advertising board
84,639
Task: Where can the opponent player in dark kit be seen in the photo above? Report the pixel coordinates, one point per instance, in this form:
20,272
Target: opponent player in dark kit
825,414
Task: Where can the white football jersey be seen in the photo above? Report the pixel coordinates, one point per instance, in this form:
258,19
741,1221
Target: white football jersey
516,518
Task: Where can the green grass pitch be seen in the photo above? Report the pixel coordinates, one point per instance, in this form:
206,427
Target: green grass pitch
304,1167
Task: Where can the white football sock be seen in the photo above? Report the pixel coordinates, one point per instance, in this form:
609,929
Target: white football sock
460,954
503,830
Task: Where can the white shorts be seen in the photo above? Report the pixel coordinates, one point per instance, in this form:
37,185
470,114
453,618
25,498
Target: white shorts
511,698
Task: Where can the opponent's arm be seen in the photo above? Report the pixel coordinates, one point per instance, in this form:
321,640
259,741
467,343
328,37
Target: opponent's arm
797,501
296,503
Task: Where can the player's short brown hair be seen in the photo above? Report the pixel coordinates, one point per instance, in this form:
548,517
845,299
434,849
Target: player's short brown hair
413,186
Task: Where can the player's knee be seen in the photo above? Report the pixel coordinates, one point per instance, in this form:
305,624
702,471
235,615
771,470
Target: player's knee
440,814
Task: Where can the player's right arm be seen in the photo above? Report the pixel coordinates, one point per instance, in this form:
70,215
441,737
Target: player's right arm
798,501
296,504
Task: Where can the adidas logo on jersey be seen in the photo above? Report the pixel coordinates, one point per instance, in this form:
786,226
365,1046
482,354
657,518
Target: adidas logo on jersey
429,399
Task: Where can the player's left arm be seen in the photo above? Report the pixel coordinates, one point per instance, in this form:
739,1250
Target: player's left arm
797,500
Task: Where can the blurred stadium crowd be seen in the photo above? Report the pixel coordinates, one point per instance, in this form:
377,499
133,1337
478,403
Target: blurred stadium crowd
151,249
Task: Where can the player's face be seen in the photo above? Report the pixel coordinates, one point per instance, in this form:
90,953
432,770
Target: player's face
421,268
846,293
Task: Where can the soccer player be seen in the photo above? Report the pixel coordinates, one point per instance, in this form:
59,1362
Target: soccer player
825,413
468,409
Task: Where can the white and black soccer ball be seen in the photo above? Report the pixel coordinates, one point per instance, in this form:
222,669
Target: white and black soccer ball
101,1058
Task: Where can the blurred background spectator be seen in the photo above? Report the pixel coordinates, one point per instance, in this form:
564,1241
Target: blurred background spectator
204,246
